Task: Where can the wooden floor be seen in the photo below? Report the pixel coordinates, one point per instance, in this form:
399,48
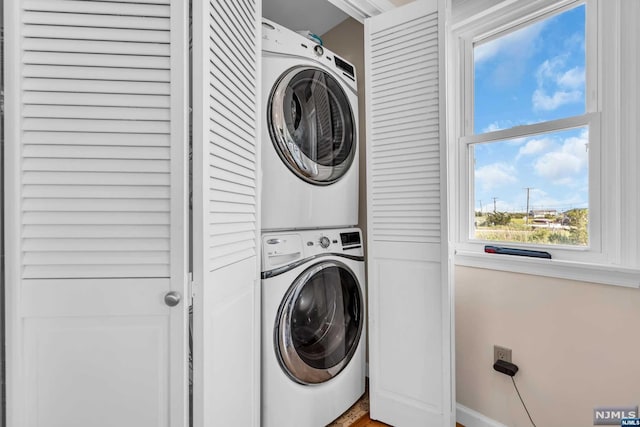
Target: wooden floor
358,415
368,422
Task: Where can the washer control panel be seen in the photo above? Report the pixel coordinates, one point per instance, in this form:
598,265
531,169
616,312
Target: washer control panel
282,248
324,242
335,241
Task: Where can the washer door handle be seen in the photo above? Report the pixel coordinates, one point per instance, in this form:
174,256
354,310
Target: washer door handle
274,241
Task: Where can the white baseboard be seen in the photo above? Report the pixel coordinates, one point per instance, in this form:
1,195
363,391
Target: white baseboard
470,418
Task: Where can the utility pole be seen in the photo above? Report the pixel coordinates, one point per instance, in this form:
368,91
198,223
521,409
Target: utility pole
528,190
480,206
494,204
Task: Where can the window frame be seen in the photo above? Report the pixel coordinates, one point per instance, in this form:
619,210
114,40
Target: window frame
592,252
600,261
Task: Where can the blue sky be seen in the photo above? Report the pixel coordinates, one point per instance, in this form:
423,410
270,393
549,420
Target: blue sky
532,75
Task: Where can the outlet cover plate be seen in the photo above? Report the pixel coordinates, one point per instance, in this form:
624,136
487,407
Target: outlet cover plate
501,353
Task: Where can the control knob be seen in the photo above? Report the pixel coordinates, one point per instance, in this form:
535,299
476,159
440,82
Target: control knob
324,242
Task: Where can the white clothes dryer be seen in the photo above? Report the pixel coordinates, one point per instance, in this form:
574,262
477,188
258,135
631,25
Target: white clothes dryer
313,326
310,134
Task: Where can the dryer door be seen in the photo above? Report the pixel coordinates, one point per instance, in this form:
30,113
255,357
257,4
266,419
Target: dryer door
319,323
311,125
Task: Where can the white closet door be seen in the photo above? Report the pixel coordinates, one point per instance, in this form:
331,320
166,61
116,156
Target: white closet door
410,362
96,212
226,74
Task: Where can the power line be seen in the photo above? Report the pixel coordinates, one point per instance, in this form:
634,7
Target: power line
528,191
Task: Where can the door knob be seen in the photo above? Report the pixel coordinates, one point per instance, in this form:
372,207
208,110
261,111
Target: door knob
172,298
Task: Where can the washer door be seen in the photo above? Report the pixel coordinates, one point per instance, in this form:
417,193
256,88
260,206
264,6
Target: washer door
311,125
319,323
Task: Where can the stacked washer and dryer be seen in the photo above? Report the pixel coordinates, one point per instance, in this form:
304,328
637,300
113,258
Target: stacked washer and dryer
313,296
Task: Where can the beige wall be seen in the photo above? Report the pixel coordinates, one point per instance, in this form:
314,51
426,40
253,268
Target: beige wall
576,345
347,40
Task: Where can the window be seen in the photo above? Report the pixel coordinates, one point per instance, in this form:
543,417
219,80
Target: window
532,188
533,138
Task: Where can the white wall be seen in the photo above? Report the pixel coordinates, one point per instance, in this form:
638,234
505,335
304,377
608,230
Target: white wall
2,396
401,2
462,9
318,16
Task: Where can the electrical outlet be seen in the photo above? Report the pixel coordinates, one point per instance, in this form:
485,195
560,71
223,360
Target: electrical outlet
501,353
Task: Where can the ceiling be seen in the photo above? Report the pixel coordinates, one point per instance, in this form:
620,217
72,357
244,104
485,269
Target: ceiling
318,16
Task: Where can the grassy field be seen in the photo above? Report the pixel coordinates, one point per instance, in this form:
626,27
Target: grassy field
517,230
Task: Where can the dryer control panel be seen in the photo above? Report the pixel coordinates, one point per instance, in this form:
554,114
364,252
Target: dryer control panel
280,40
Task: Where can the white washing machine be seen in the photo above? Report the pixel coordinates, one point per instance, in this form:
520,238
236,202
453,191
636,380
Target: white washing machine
313,326
310,134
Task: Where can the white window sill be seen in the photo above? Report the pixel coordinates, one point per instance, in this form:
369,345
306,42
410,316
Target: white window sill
571,270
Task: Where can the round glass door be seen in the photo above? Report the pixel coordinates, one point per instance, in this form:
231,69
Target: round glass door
311,125
319,323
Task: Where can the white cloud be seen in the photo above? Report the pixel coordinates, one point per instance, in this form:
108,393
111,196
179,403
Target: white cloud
562,200
566,164
516,43
492,127
573,79
506,124
540,199
549,70
558,166
517,141
534,146
498,125
576,41
556,85
495,175
544,102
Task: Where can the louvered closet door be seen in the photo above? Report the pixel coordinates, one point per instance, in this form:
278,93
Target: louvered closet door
226,74
409,294
96,213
